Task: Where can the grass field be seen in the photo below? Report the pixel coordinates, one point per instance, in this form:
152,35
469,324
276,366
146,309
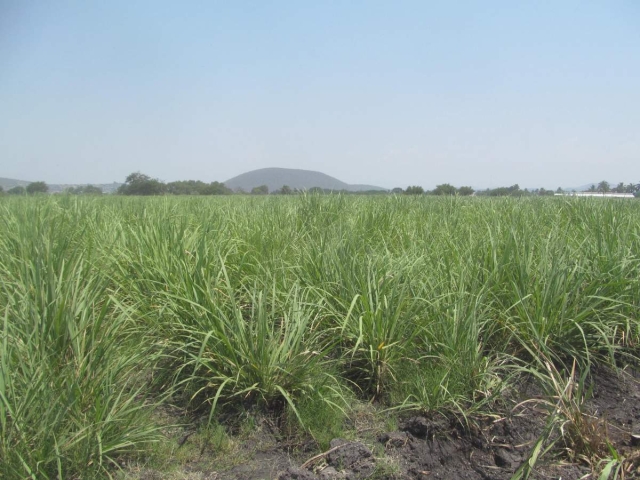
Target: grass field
298,306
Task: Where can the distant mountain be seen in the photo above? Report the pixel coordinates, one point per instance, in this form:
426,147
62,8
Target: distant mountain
8,183
275,178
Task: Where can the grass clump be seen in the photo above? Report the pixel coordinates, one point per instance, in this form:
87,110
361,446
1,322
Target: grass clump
295,306
249,348
71,395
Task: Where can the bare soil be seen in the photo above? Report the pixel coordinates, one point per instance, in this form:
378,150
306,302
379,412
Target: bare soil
426,447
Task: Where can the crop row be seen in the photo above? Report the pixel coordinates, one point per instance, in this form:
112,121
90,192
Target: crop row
112,306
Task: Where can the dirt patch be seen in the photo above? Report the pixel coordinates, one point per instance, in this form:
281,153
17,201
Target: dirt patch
441,448
424,447
496,447
616,399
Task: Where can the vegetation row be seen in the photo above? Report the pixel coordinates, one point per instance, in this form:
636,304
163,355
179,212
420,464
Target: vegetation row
140,184
299,306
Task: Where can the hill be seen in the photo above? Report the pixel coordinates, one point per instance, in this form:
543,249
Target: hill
8,183
275,178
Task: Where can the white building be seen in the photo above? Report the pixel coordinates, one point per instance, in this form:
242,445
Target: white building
595,194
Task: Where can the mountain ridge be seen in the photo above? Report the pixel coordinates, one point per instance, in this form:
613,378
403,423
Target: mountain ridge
275,178
9,183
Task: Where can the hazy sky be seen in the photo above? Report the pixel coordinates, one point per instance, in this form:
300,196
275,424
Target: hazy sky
395,93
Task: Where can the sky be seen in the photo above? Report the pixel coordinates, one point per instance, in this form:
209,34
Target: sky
482,93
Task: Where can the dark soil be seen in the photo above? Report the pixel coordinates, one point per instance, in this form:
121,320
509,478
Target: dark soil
425,447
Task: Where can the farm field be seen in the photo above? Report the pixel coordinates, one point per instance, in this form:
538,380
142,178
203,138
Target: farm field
387,337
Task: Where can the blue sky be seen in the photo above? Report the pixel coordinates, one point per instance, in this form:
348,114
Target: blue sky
481,93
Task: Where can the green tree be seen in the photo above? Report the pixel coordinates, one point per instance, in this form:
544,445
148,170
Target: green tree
140,184
285,190
397,191
414,190
261,190
17,190
513,191
619,188
37,187
604,187
215,188
445,189
465,191
92,190
182,187
84,190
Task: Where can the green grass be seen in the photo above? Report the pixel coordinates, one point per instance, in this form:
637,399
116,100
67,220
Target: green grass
295,306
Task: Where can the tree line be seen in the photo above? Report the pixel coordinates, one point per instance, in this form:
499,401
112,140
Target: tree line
605,187
35,188
444,189
32,189
140,184
515,190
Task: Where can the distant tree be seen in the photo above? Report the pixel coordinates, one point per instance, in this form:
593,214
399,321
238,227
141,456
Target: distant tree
465,191
261,190
185,187
498,192
559,190
445,189
1,190
92,190
604,187
285,190
545,192
592,189
512,191
414,190
365,192
197,187
17,190
619,188
397,191
37,187
84,190
215,188
139,184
